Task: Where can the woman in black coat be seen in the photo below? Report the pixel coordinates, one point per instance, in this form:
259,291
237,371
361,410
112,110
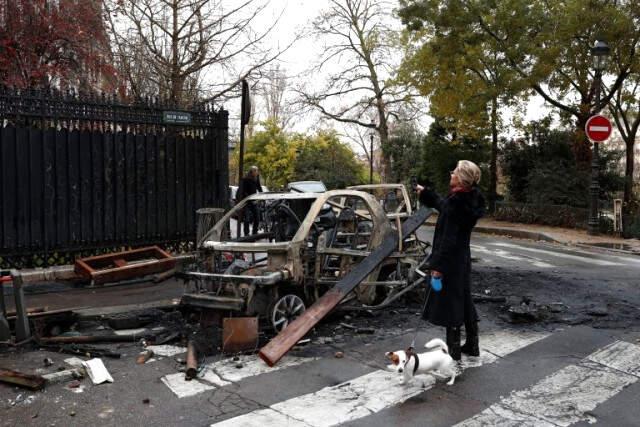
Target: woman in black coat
450,257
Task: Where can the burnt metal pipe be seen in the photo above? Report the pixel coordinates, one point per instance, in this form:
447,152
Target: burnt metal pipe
192,362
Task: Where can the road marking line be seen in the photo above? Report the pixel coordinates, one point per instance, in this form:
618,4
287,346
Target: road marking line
507,255
166,350
560,255
370,393
182,388
568,395
224,372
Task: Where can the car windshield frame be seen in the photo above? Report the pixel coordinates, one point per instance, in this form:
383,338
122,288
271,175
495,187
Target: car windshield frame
308,186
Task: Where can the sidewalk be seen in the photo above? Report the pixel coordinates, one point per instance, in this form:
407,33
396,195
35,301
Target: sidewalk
565,236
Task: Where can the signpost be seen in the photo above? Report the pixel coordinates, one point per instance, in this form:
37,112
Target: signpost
176,117
245,115
598,128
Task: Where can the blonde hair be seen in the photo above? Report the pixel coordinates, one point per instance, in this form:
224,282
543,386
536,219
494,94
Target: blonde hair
468,172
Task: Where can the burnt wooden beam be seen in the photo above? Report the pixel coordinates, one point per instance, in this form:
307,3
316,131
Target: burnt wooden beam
32,382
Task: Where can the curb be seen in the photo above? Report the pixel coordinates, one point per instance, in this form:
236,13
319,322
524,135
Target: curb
619,251
510,232
520,234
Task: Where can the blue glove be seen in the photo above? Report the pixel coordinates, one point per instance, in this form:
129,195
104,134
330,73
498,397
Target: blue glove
436,283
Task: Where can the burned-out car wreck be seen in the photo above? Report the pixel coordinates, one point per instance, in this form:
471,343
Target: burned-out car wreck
305,244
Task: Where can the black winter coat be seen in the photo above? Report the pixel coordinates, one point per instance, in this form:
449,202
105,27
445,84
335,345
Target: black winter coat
248,186
451,256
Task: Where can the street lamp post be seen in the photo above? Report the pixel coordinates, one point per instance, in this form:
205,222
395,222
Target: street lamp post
600,54
373,124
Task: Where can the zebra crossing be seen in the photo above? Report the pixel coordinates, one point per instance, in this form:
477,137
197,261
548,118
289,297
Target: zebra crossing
546,257
523,378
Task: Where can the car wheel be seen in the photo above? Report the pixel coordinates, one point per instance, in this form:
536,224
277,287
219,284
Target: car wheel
286,310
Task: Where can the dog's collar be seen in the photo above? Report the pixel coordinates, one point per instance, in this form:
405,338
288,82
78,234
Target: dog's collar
410,353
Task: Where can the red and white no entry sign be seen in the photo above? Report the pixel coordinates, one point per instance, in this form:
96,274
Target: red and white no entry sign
598,128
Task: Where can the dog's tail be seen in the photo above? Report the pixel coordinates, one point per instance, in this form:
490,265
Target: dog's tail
437,343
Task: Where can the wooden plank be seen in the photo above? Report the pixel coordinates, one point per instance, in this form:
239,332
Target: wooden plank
74,184
171,186
97,159
190,186
2,206
282,343
141,188
32,382
86,188
132,270
198,174
162,197
22,187
181,221
62,189
152,207
120,188
36,187
49,189
108,217
131,218
9,176
119,262
209,180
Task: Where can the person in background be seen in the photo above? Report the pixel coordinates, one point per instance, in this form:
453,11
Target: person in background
250,184
450,257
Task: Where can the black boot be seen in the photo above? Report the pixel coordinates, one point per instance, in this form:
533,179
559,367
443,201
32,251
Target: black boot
453,342
471,346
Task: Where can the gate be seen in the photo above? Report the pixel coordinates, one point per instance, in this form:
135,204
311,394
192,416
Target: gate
80,174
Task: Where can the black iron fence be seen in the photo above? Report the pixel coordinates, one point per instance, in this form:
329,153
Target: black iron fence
80,173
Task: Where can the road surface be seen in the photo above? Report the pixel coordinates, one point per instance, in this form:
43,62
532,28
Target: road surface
577,366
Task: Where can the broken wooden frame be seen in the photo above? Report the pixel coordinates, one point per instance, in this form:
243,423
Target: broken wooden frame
124,265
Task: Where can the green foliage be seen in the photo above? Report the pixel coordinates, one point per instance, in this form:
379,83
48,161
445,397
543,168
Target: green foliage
441,152
322,157
283,157
274,153
513,44
544,170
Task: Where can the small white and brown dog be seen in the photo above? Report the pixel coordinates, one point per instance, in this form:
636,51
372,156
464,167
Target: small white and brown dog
410,363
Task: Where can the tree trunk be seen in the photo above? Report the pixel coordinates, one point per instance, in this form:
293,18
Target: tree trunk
177,81
383,131
628,173
493,168
581,144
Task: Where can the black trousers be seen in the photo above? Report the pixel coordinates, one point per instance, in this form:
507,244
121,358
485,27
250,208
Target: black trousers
251,216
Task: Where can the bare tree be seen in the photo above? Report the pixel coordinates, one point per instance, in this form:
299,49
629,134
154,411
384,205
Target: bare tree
275,93
361,45
181,40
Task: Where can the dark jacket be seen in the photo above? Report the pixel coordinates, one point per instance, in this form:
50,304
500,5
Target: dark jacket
451,256
248,186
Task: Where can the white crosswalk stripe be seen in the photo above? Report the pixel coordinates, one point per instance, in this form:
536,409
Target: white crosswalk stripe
370,393
554,254
225,372
567,396
508,255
